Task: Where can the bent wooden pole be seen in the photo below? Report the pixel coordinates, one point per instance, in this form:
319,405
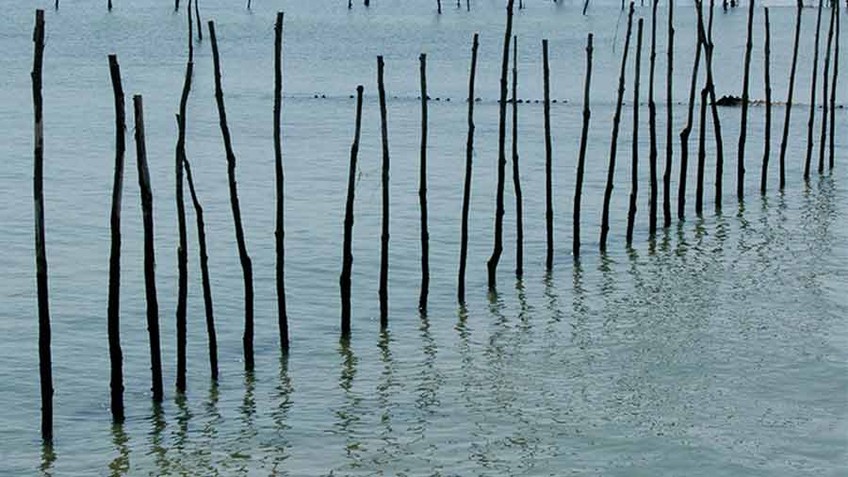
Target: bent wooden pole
833,89
347,254
687,130
244,258
634,164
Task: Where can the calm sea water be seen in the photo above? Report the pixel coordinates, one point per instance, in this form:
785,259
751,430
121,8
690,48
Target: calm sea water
717,350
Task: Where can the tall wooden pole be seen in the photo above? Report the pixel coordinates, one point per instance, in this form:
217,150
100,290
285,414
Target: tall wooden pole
702,154
492,264
244,258
422,192
743,128
789,96
833,88
347,260
669,120
634,164
197,19
709,48
45,360
815,75
652,125
549,187
614,142
466,194
182,248
204,273
516,175
687,130
149,252
584,140
825,89
280,232
116,356
767,75
384,237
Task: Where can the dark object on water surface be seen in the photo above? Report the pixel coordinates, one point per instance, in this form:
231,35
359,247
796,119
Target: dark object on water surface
728,100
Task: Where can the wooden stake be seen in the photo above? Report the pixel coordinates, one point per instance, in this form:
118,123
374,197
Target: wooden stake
492,264
116,356
614,142
702,154
149,251
347,260
767,140
743,134
669,120
439,6
466,195
182,248
516,176
833,88
549,187
204,272
815,75
280,233
652,125
784,140
45,360
687,130
244,258
709,48
584,140
384,238
197,18
634,164
825,90
422,192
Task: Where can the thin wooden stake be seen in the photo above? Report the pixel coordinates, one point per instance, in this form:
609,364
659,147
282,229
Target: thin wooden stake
116,356
584,140
149,252
280,233
743,128
549,187
469,156
652,125
634,164
786,121
825,89
197,18
709,48
614,142
384,237
45,359
516,175
702,154
244,258
815,75
687,130
833,88
347,261
492,264
767,74
669,120
422,192
212,338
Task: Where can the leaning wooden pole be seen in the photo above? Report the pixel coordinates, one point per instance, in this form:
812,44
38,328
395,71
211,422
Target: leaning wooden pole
116,356
789,96
743,128
149,252
584,141
652,126
614,142
702,154
709,48
384,236
812,118
211,336
516,174
182,248
469,158
549,186
244,258
280,232
669,120
492,264
45,360
687,130
825,89
634,161
833,89
347,254
422,192
767,77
